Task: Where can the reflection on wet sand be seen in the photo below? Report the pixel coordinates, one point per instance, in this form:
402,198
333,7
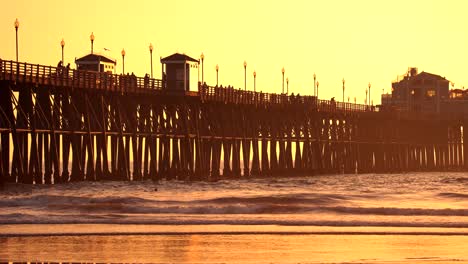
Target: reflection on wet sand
232,248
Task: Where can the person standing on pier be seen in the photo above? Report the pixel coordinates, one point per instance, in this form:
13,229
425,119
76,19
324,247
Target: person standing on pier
146,80
59,68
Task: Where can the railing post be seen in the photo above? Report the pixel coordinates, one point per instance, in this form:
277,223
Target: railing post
42,77
37,73
23,73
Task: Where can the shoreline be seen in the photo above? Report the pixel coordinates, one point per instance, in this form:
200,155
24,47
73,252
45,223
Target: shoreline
35,230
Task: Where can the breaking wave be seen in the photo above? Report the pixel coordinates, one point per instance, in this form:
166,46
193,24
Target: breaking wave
419,200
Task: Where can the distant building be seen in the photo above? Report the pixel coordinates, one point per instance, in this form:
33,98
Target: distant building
418,92
96,62
386,99
458,94
457,102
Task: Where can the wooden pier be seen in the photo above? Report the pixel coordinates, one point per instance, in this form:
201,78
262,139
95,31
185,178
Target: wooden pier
61,125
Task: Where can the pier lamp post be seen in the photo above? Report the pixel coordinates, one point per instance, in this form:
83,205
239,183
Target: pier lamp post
91,37
255,81
282,89
348,98
287,85
317,89
366,98
123,61
16,30
245,76
354,99
315,76
202,57
217,70
62,44
343,88
369,94
151,58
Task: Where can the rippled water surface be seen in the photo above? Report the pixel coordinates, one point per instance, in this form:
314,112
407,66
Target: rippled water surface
413,200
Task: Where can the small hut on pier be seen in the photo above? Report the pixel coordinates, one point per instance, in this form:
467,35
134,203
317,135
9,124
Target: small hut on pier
96,62
176,72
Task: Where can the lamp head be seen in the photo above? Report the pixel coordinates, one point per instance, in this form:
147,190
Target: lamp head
123,52
91,37
62,43
16,23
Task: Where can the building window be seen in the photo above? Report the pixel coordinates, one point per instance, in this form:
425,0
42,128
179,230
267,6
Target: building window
430,93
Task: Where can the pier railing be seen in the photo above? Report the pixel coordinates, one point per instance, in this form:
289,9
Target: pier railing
65,77
62,76
237,96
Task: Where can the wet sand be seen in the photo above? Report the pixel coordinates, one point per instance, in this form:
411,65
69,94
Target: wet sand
240,245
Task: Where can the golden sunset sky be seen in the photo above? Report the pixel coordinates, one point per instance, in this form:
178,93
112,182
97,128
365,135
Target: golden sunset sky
361,41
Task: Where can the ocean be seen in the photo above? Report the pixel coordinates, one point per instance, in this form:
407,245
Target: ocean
362,218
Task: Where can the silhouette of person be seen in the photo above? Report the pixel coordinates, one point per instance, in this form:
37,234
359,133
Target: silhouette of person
59,67
291,100
133,81
146,80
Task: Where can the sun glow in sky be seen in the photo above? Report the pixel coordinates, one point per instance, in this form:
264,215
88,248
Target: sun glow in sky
361,41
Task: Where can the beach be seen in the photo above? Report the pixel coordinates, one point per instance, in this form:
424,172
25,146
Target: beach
370,218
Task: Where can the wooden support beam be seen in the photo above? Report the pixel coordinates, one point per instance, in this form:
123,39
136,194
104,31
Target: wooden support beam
7,121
